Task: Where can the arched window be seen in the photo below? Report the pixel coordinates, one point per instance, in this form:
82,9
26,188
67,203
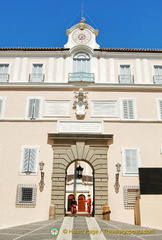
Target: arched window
81,63
81,69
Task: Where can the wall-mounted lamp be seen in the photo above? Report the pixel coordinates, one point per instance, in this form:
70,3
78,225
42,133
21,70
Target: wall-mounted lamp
41,165
118,166
41,183
79,171
117,185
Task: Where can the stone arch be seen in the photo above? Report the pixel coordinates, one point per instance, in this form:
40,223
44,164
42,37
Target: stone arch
87,147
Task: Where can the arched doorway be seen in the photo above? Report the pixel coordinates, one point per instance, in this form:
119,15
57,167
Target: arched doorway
79,187
68,148
81,203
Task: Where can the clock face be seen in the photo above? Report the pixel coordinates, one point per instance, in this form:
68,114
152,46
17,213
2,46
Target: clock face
81,36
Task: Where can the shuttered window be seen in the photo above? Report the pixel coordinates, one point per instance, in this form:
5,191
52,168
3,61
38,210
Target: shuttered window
81,63
125,74
37,73
158,74
0,108
130,160
128,111
34,108
4,72
29,160
125,70
160,109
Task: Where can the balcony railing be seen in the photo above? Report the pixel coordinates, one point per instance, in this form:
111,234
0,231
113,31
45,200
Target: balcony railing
4,77
157,79
126,79
33,77
81,77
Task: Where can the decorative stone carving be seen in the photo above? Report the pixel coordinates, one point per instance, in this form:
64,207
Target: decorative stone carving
80,103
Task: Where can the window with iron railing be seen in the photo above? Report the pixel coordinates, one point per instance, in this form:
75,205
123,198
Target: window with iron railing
37,73
81,77
126,78
4,76
157,78
36,77
81,69
125,75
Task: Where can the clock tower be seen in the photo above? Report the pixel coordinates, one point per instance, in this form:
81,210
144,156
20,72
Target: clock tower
82,34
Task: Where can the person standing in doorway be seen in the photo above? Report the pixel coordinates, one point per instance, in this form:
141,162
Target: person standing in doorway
73,207
89,203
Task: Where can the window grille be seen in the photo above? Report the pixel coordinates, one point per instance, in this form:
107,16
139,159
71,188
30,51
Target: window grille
26,195
131,193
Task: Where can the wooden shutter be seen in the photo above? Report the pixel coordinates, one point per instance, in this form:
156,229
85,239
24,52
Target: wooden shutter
131,160
29,160
128,109
33,111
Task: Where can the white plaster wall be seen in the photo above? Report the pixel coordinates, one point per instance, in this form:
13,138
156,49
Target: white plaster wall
150,211
105,67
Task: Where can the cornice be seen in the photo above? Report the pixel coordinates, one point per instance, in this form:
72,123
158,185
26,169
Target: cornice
86,86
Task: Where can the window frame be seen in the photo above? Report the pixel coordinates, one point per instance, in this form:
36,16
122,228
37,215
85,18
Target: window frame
31,147
7,73
28,106
2,107
86,58
126,190
32,72
26,204
128,109
159,108
155,74
120,65
125,171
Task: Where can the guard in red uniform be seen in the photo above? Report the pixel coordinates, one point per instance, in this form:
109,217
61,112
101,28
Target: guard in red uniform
89,203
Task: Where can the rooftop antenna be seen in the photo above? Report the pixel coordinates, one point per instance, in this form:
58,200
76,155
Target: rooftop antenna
82,12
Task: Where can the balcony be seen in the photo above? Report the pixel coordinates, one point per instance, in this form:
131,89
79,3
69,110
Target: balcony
157,79
126,79
4,77
36,77
81,77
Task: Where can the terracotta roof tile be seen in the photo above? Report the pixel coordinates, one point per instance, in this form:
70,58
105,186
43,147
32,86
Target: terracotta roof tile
149,50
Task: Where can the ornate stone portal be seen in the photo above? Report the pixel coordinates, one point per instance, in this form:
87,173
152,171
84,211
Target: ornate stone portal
90,148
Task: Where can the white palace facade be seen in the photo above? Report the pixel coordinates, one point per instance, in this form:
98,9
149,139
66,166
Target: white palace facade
79,105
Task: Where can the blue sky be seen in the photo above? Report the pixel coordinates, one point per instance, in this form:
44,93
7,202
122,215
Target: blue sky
42,23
